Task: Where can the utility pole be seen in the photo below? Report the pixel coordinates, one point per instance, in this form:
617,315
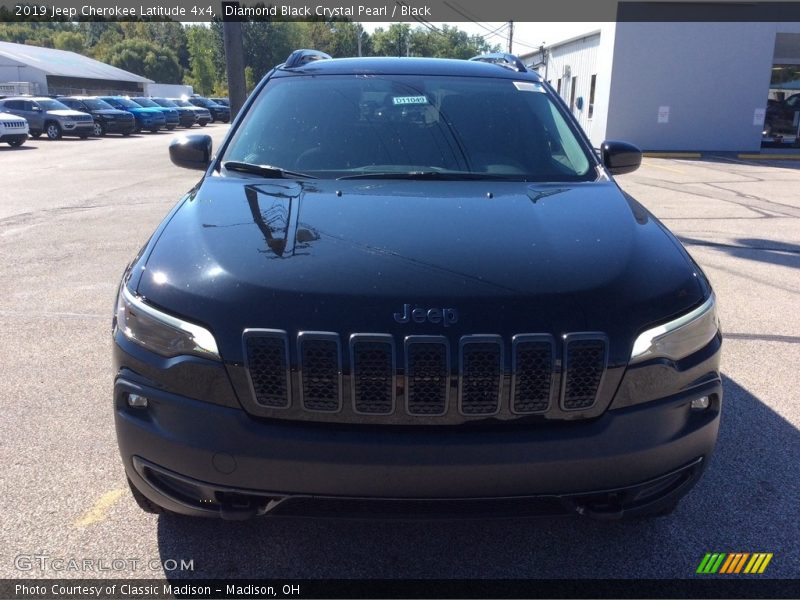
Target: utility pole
359,33
234,63
510,36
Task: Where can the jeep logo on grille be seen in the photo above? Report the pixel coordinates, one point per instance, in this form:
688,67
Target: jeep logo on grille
446,316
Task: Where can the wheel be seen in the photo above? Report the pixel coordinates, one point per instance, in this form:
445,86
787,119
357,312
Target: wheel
203,123
83,137
36,134
16,143
126,133
137,129
155,130
144,502
99,130
171,127
53,131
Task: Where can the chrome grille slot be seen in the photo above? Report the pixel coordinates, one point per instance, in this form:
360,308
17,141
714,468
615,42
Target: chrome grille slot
532,366
427,375
267,354
585,358
320,371
372,360
481,370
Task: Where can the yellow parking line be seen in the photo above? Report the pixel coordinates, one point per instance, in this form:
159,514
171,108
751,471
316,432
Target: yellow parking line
649,164
769,156
99,511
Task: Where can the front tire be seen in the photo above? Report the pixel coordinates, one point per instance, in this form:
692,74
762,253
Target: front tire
203,124
171,127
53,131
99,130
36,134
16,143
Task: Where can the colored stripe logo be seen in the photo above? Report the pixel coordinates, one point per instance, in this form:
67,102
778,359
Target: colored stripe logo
734,563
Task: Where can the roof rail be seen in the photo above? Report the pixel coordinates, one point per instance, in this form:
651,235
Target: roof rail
504,59
298,58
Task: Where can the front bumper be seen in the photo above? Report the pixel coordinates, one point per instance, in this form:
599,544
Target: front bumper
198,458
119,126
77,128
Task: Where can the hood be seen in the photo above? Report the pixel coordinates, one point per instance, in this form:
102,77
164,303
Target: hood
9,117
111,112
68,113
346,256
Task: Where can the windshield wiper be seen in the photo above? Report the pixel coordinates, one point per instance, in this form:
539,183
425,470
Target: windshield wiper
440,175
263,170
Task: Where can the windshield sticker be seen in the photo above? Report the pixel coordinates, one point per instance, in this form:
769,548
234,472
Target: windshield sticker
399,100
528,86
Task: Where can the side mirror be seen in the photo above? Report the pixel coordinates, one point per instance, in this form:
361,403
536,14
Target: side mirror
191,151
620,157
36,109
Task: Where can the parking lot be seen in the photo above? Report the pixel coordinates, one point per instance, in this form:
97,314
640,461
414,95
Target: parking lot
74,212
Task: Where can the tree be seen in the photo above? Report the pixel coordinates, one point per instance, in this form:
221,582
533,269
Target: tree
69,40
202,74
146,58
392,41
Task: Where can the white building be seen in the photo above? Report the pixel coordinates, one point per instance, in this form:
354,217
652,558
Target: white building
673,86
50,71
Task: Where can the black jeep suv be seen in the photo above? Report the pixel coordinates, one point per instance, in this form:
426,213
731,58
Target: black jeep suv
411,285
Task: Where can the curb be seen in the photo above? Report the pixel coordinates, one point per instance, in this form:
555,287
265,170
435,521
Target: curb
672,154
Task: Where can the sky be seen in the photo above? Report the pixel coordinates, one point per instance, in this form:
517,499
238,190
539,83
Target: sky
527,36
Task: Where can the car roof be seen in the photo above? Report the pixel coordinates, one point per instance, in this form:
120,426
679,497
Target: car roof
409,66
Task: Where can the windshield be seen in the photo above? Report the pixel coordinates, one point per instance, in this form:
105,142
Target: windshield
96,104
146,102
51,105
445,126
164,102
204,102
126,103
180,102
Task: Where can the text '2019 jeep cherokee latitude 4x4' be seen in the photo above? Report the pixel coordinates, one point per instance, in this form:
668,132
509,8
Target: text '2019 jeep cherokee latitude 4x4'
408,281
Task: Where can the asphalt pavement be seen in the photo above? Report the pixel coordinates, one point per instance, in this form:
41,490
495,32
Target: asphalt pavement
73,213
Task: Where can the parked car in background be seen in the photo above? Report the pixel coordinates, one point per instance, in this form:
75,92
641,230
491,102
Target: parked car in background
218,112
780,115
107,119
46,115
221,101
170,114
202,115
13,129
151,119
186,116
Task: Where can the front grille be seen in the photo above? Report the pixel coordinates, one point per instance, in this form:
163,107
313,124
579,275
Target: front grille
320,371
268,365
372,362
427,368
14,124
533,368
584,364
481,368
374,381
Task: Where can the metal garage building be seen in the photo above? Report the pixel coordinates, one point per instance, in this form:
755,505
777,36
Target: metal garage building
49,71
675,86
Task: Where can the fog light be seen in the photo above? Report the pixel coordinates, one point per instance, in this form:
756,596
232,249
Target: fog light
137,401
701,403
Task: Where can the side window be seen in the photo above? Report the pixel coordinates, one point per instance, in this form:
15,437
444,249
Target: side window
591,96
14,104
28,105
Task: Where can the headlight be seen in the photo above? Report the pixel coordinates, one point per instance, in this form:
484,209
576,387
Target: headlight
681,337
159,332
